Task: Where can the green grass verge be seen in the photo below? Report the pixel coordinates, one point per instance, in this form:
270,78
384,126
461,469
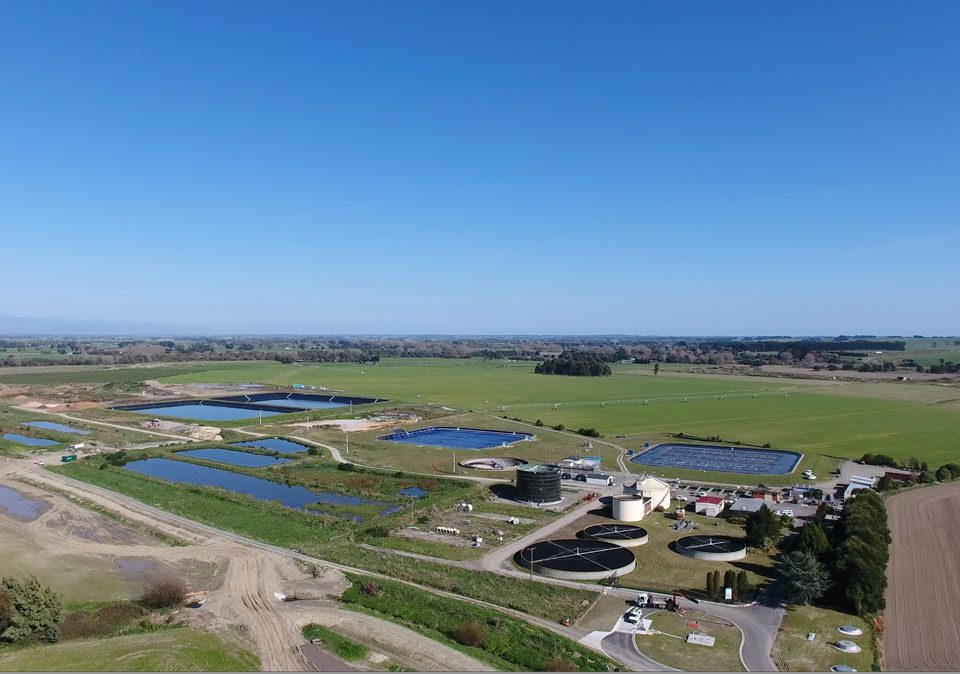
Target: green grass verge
173,650
336,643
505,642
668,649
793,652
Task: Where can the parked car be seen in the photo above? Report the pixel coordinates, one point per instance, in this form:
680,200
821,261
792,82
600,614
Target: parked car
784,513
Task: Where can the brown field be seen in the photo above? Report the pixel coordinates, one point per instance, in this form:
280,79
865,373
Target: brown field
922,624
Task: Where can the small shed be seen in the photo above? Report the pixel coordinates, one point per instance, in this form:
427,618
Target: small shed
711,506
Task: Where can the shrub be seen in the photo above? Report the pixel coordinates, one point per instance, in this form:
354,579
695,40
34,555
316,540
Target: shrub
558,665
313,451
346,467
164,592
33,610
105,621
470,634
371,590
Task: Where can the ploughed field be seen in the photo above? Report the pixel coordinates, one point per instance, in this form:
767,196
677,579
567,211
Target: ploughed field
922,620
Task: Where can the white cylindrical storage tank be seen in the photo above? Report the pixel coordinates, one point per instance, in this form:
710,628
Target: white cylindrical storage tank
628,508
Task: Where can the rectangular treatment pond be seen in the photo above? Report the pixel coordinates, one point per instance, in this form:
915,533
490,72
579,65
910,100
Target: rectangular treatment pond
720,459
27,440
204,410
457,438
234,458
304,401
281,445
291,496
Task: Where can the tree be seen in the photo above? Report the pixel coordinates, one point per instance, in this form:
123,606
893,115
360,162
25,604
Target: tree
711,588
656,369
717,585
762,528
944,474
813,540
863,541
743,585
34,612
804,578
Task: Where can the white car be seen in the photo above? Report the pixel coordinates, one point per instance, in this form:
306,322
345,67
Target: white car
701,493
680,499
810,476
784,513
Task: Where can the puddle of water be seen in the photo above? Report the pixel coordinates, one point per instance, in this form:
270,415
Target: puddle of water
414,491
135,565
21,506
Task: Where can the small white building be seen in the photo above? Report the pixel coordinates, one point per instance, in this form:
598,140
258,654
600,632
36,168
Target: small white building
711,506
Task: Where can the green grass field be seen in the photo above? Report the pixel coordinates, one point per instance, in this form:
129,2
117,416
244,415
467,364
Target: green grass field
183,650
823,418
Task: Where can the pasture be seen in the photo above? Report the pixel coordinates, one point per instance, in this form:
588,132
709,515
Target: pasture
824,418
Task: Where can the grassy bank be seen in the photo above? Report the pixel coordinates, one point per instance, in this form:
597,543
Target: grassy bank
335,643
501,640
173,650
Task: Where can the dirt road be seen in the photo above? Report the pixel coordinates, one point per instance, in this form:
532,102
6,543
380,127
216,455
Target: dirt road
922,621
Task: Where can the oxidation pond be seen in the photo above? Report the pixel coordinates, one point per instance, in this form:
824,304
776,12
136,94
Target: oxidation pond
53,426
289,495
20,505
205,411
306,404
235,458
273,444
414,491
27,440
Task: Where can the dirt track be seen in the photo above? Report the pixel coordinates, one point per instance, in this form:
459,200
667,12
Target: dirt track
250,575
922,623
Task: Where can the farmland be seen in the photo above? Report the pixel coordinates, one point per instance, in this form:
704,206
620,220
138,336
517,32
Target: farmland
823,418
921,631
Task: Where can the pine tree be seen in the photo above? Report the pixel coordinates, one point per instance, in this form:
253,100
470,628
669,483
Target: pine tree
743,586
711,588
717,585
804,578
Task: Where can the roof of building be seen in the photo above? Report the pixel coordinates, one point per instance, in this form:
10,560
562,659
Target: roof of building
748,505
710,500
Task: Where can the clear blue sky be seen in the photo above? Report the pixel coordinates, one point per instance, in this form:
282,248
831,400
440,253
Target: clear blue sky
515,167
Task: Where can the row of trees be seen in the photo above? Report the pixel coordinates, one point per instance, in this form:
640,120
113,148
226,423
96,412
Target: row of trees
737,582
575,363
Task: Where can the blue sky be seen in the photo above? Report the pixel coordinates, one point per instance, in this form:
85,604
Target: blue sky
533,167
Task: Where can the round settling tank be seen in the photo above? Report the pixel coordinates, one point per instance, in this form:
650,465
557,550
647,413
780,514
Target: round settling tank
712,548
628,508
538,483
576,559
624,535
492,463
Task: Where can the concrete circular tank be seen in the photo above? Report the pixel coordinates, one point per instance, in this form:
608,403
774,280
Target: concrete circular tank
538,483
712,548
624,535
628,508
493,463
576,559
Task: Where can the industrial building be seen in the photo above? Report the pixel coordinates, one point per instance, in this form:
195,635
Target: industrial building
711,506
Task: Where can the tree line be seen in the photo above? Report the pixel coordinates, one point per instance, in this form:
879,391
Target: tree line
848,564
575,364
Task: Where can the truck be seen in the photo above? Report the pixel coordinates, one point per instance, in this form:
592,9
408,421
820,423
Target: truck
67,458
